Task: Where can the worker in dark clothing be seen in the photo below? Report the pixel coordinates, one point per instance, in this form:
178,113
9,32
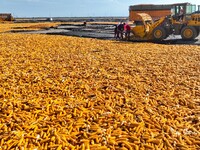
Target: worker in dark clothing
120,29
116,35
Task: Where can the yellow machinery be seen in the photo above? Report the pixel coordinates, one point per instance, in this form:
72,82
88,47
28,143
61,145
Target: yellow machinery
191,29
147,29
187,25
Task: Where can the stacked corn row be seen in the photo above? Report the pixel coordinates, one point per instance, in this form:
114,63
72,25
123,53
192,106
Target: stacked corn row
10,26
70,93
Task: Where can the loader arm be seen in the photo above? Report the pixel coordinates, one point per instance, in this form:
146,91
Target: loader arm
156,24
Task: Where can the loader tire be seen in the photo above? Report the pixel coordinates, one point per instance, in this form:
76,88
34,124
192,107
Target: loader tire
159,34
188,33
198,31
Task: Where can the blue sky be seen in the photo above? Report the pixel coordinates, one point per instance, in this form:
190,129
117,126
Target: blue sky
75,8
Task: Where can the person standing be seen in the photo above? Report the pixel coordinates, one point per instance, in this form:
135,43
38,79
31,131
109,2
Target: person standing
127,30
116,35
120,29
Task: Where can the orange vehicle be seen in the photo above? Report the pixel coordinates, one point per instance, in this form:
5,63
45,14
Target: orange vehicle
155,11
158,11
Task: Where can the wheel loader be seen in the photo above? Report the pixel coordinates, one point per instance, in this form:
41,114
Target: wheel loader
187,25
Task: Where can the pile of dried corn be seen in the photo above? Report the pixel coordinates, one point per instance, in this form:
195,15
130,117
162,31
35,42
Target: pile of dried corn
71,93
5,27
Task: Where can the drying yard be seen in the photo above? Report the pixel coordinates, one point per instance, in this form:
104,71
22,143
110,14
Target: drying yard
98,30
62,92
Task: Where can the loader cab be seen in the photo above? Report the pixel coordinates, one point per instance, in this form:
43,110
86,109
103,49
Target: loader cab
185,9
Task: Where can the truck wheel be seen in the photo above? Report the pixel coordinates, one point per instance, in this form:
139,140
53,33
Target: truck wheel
159,33
188,33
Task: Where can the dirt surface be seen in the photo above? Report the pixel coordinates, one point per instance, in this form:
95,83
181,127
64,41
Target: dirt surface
99,31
